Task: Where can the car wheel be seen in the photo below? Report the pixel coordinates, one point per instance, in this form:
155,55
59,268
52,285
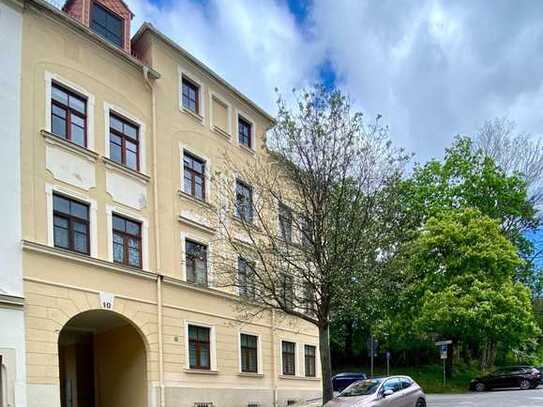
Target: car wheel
480,387
525,384
421,403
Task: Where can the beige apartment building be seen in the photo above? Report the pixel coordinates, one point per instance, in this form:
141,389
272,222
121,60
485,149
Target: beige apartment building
120,137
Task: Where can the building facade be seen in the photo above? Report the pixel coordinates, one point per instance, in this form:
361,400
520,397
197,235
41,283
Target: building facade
12,338
119,137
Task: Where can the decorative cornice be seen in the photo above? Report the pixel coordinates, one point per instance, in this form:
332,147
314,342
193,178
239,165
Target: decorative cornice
81,258
110,164
11,301
68,145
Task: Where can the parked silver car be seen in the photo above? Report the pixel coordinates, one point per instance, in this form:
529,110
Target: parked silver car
394,391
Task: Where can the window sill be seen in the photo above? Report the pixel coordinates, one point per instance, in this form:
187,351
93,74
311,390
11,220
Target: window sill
197,225
68,145
249,374
196,116
247,149
289,377
201,371
83,258
189,197
125,170
222,133
246,224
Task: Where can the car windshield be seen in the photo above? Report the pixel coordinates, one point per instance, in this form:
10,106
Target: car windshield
361,388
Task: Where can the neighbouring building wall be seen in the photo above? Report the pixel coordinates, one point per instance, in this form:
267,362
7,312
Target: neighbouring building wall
12,340
11,281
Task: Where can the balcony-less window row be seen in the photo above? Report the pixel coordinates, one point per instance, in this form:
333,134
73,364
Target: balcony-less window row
200,347
71,231
191,100
69,117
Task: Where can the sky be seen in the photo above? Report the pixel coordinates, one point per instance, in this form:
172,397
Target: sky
432,68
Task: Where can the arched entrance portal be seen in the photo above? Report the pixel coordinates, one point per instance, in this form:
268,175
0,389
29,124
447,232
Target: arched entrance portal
102,362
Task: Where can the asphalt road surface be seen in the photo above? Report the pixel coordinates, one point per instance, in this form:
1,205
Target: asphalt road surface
497,398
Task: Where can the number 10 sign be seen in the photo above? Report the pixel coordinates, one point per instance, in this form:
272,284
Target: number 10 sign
106,300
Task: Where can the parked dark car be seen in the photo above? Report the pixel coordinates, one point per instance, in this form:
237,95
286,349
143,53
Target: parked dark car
524,377
342,380
540,368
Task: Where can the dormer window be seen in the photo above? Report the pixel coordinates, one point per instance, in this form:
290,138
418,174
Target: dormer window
107,24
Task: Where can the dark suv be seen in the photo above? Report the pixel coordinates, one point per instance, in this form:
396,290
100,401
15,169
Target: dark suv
524,377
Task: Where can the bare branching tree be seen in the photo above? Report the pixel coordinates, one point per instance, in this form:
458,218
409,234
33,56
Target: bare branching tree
514,152
308,228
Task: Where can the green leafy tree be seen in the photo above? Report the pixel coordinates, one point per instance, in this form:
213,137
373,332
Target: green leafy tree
467,291
469,178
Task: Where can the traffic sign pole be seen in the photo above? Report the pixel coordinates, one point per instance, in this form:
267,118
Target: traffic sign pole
372,353
388,363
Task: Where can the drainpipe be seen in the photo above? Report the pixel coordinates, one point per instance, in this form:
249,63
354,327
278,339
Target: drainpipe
157,239
274,359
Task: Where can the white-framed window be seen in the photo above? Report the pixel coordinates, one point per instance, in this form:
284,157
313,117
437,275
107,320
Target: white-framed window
200,346
245,131
246,278
288,352
250,352
191,94
220,114
69,111
115,215
125,138
195,173
67,227
196,255
311,358
244,205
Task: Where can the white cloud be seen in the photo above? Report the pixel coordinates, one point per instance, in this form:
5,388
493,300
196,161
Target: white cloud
437,68
255,45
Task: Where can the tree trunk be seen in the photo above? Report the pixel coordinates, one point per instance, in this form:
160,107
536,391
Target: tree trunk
488,354
326,363
349,353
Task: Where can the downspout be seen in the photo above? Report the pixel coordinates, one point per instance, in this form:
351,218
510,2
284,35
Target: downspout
274,359
157,240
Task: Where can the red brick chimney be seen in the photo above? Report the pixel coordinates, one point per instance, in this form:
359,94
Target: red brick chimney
108,18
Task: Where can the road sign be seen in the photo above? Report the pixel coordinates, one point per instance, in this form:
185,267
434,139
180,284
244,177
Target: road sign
443,350
388,355
373,344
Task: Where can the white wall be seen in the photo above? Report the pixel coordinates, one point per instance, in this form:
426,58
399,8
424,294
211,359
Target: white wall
11,278
13,353
12,339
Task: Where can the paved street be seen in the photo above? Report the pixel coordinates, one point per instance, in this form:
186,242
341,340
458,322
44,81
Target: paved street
504,398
